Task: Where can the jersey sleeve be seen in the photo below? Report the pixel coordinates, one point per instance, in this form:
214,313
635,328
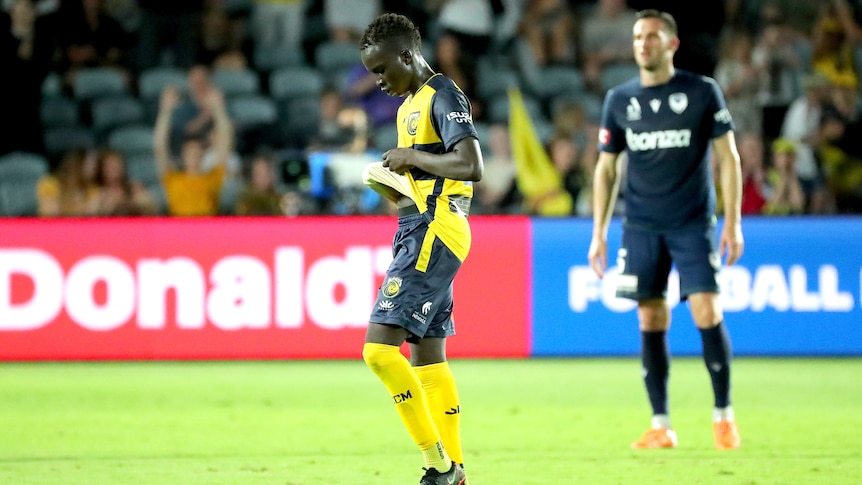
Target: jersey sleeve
722,122
611,136
452,116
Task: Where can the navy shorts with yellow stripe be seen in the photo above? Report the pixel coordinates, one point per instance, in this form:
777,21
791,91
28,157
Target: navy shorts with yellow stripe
646,256
417,292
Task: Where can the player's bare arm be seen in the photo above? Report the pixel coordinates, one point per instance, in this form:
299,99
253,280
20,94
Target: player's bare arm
605,188
731,243
464,162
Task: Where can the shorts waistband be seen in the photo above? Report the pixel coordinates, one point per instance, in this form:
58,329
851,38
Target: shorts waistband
408,210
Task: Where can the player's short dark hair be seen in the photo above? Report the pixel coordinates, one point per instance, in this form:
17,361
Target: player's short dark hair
668,20
390,27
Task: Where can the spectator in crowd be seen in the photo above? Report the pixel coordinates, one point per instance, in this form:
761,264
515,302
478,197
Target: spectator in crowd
190,191
347,19
497,192
279,24
755,189
548,27
454,62
342,128
25,54
471,22
71,190
840,151
362,91
564,154
222,38
259,196
89,37
740,81
786,196
169,32
835,36
119,196
193,118
779,64
801,125
606,38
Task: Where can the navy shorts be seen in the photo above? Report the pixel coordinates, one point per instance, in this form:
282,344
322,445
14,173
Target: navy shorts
646,256
418,301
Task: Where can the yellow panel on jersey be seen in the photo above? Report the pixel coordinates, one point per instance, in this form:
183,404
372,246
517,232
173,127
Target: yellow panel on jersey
421,119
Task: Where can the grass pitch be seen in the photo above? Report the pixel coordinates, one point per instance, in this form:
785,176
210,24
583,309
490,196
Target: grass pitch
525,422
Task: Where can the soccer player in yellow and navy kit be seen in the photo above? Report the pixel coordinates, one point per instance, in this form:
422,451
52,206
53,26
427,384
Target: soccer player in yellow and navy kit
428,176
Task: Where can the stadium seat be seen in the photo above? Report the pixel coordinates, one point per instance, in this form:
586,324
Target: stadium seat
493,81
97,82
252,110
58,111
19,200
228,195
52,85
61,139
331,56
269,59
132,139
556,80
109,113
292,82
300,118
385,137
141,167
498,109
591,103
152,81
19,174
236,82
22,165
616,74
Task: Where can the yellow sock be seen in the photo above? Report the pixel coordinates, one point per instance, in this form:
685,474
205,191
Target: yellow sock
406,390
442,395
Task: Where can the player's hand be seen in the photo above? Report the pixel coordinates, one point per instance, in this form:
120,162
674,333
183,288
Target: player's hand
398,159
732,243
598,256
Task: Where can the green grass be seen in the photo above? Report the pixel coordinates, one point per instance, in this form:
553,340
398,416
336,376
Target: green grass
320,422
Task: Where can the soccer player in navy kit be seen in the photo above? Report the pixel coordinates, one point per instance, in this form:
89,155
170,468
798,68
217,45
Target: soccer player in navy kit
428,176
667,120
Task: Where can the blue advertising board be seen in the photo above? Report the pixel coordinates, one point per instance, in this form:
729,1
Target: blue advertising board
796,291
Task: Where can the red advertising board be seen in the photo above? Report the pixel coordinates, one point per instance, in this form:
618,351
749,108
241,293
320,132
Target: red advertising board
235,288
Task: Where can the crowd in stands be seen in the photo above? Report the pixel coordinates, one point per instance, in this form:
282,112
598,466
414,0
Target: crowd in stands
216,107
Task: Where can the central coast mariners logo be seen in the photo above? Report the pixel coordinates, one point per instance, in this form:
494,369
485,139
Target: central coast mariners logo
392,287
413,123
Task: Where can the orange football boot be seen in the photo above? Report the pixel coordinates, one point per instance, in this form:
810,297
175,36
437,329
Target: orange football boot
726,435
657,438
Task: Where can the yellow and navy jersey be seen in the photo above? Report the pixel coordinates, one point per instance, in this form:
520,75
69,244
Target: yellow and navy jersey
433,120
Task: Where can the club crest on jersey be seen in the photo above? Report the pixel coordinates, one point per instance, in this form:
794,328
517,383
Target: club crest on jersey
678,102
392,287
413,123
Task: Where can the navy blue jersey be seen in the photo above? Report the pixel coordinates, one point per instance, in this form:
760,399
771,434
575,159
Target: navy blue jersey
666,131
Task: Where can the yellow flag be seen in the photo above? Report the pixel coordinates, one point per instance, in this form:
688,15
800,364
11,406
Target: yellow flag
538,179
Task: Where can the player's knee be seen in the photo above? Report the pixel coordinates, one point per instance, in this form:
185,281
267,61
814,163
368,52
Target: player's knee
653,316
377,356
